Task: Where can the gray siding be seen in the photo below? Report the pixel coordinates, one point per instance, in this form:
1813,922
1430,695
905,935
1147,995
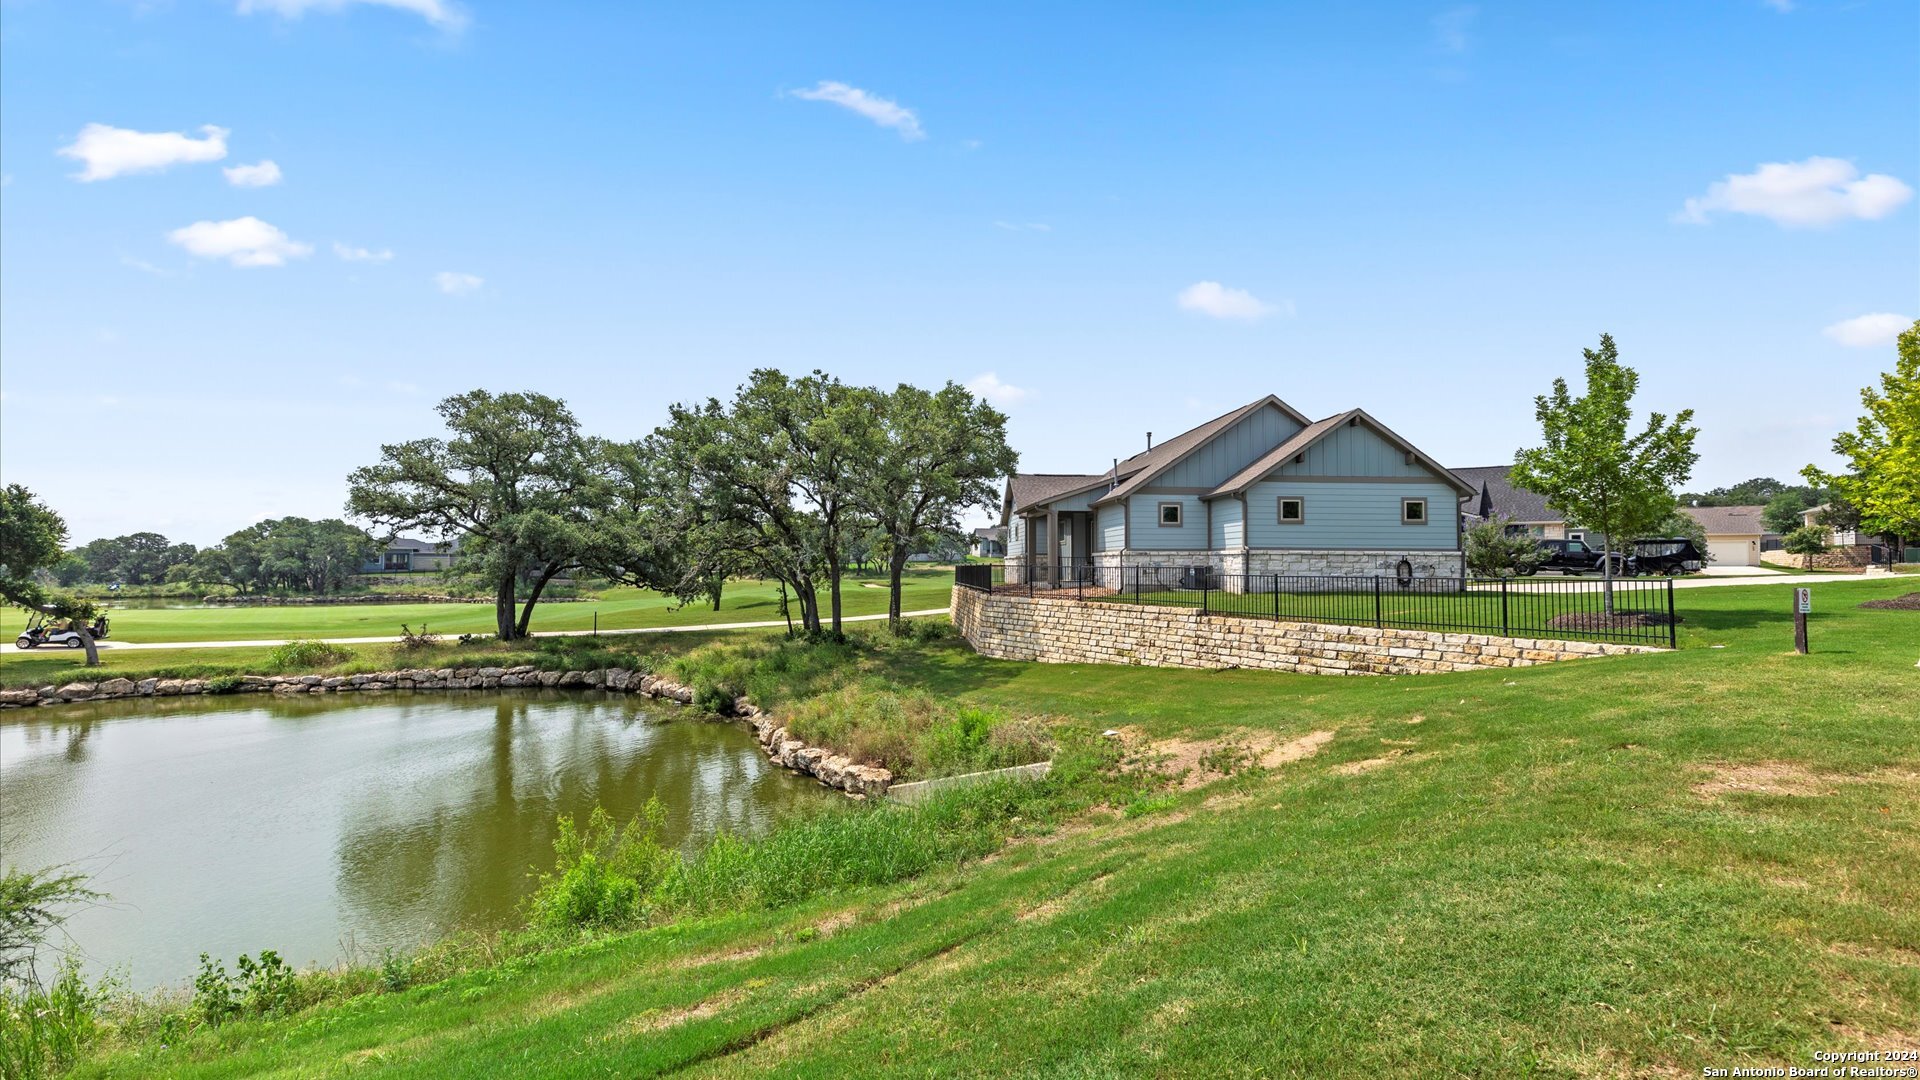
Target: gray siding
1228,530
1355,451
1150,535
1231,450
1352,515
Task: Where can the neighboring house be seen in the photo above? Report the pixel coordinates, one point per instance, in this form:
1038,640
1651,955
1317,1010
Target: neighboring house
1524,510
1259,490
1735,534
403,555
1835,537
989,541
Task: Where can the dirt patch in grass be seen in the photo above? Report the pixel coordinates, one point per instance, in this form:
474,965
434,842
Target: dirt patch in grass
1766,778
1193,762
1047,910
1909,602
659,1019
1620,620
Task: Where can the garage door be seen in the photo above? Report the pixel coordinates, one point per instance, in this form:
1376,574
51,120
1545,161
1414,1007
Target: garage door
1734,552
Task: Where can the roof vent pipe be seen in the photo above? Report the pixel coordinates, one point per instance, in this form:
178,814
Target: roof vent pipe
1149,441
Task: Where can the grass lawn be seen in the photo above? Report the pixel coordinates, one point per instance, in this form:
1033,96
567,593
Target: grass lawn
618,609
1639,865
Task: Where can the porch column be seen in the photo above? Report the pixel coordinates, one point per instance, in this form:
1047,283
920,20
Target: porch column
1053,546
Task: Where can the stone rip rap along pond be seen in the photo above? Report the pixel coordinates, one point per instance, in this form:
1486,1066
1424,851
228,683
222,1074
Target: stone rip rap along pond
319,826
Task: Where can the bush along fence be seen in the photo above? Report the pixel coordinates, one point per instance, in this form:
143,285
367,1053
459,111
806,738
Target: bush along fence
1571,609
833,770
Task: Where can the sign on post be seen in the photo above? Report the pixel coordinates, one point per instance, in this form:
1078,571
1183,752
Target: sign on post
1802,606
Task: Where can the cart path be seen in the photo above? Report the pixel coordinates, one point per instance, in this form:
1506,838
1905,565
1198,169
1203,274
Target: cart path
9,648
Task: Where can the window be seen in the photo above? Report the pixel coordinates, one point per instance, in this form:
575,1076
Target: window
398,560
1170,514
1413,511
1576,535
1293,510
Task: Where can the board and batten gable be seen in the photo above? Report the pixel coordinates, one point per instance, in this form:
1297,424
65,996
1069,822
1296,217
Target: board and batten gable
1210,464
1354,450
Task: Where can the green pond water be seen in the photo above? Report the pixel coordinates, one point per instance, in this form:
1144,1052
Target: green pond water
342,825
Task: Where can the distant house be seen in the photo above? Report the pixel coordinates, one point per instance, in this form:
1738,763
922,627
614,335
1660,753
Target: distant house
1835,537
1259,490
989,542
1526,511
405,555
1735,534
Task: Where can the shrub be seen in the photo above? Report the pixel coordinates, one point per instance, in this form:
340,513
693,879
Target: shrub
601,871
268,985
1807,540
1493,553
214,1000
225,684
306,655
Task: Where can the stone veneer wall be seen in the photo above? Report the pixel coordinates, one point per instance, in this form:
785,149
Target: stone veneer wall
1236,562
1012,626
834,770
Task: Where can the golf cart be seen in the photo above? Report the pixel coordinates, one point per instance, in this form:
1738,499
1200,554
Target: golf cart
1667,555
40,631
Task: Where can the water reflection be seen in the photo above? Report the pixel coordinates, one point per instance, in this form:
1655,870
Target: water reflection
230,825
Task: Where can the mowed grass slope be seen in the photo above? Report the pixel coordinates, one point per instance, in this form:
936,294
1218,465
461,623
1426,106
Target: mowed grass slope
1627,866
618,609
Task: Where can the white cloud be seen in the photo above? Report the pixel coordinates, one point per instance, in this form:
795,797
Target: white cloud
441,13
144,266
246,241
265,174
457,284
1450,28
1221,302
1023,226
110,151
1868,331
889,114
349,253
1817,191
989,387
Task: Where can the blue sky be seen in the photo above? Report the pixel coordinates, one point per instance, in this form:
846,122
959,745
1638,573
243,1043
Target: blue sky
1116,218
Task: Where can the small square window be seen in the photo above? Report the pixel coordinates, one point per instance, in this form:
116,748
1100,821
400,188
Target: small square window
1293,510
1413,511
1169,513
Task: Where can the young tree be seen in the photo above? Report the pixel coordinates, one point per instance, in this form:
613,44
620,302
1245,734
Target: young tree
1783,511
33,538
1806,541
515,466
1883,450
1493,552
928,457
1593,470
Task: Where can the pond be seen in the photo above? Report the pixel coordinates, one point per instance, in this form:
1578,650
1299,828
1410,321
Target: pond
323,826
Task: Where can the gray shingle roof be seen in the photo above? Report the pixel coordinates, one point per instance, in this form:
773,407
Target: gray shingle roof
1026,489
1515,503
1738,520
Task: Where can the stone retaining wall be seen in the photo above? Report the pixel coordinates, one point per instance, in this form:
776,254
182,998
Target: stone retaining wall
834,770
1012,626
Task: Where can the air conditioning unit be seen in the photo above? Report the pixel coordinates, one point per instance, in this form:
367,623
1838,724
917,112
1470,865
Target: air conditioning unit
1197,577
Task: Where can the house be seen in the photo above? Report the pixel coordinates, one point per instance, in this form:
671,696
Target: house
989,541
1259,490
1735,534
1836,537
404,554
1526,511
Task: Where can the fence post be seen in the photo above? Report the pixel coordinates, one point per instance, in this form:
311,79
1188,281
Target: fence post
1079,586
1503,607
1206,580
1378,622
1673,634
1276,598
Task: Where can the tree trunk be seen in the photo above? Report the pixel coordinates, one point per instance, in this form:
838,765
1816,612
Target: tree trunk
896,567
533,597
713,593
786,612
86,640
503,607
1606,575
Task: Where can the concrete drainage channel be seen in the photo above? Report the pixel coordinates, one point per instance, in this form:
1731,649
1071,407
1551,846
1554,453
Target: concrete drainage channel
921,790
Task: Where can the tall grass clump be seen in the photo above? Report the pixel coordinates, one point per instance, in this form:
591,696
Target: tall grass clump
44,1026
306,656
915,734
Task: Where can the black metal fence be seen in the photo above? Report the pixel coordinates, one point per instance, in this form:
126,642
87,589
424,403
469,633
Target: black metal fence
1641,612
